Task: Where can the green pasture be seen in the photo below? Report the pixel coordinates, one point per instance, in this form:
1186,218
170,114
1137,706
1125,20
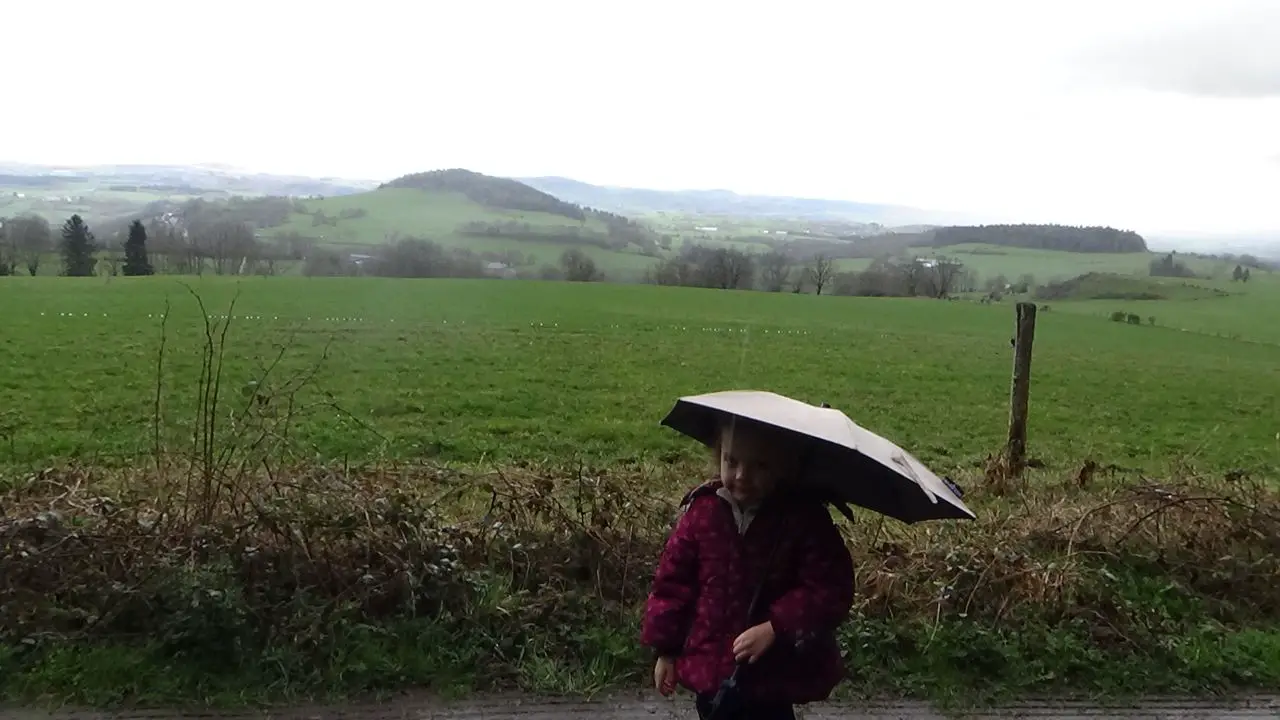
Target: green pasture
487,371
1250,313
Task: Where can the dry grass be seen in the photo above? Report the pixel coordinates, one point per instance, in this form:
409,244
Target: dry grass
84,549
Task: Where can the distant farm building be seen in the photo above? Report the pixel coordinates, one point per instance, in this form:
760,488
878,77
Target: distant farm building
502,270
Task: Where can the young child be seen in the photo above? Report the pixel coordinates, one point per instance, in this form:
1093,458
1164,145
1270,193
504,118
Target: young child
735,530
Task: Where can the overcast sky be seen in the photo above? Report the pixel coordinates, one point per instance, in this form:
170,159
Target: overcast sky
1160,116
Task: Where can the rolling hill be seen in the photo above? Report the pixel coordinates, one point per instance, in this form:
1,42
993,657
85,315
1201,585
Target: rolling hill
497,217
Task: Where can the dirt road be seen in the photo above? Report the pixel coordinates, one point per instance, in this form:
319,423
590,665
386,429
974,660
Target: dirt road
648,707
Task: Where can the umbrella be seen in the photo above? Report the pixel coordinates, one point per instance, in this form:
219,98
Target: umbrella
841,461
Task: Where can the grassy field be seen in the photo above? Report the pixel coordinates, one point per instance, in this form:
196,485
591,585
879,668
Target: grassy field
473,370
470,490
1251,312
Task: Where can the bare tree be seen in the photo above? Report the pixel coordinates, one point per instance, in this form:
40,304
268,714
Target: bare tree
8,254
942,276
739,269
230,245
113,253
578,266
775,270
29,238
914,275
672,271
821,269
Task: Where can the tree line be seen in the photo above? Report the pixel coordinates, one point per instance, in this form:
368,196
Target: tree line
1064,238
178,245
777,270
618,235
26,240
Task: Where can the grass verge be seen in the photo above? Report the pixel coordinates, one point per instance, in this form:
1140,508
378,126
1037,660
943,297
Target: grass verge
328,583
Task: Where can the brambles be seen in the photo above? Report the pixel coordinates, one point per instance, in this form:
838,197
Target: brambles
558,560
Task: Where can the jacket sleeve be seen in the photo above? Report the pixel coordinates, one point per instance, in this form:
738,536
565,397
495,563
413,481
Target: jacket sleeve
670,606
823,595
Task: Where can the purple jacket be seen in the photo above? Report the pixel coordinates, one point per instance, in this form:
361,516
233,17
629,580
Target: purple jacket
707,575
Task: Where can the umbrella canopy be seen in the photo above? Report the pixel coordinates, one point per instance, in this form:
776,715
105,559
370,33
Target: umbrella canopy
841,461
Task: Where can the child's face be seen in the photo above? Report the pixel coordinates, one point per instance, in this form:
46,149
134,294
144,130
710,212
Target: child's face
751,464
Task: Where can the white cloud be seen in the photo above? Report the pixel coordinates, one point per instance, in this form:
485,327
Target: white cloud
1032,110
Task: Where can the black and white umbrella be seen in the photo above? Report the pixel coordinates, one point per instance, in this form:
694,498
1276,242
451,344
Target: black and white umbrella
841,461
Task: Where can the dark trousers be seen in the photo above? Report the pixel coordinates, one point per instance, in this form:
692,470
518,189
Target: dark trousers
751,711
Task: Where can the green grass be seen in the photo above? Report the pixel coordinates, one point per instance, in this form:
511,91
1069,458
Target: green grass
472,370
1250,313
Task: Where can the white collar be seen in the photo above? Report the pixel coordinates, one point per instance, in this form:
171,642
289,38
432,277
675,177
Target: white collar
742,514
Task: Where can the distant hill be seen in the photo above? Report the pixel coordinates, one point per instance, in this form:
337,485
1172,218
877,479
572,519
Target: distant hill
186,179
498,218
108,192
492,192
731,204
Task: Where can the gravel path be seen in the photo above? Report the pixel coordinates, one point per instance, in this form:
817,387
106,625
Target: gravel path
649,707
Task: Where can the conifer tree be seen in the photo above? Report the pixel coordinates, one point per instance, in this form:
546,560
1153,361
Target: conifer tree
136,261
78,247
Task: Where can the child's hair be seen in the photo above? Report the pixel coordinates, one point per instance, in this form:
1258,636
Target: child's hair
751,429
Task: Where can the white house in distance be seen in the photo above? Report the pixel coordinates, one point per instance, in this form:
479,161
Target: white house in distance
502,270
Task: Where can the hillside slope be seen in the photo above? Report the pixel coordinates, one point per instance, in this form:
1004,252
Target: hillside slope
464,209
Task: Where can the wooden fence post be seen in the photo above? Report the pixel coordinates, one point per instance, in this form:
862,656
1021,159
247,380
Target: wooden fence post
1020,393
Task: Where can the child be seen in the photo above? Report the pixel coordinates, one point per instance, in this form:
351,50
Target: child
736,530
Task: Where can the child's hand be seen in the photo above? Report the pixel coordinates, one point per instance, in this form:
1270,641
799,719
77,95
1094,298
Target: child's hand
753,642
664,675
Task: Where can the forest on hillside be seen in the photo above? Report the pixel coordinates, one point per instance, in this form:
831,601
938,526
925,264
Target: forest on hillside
493,192
1064,238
